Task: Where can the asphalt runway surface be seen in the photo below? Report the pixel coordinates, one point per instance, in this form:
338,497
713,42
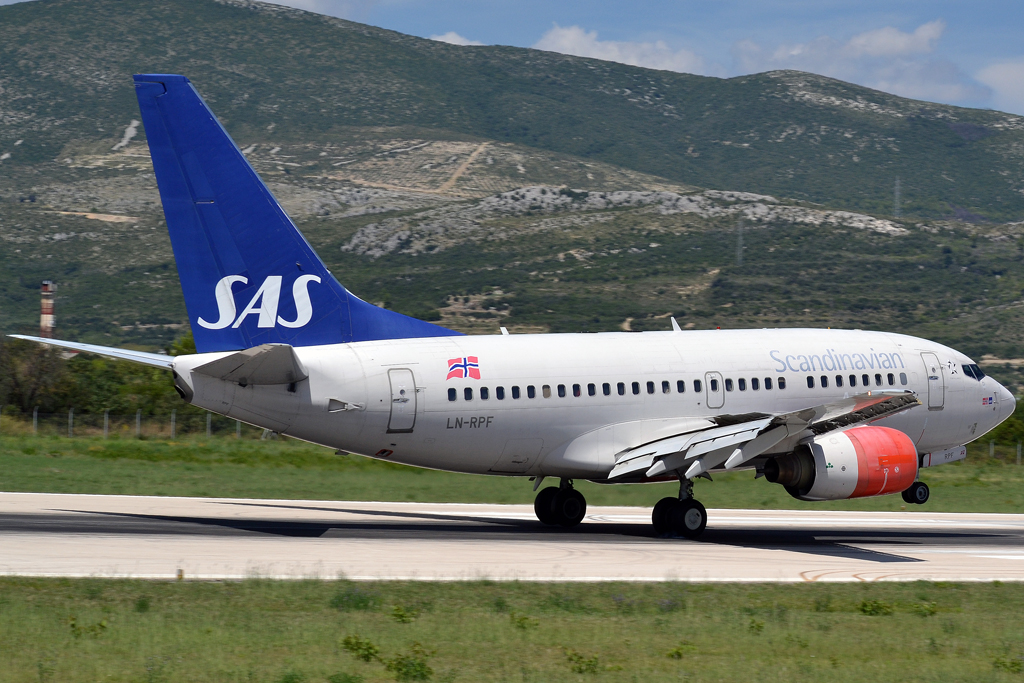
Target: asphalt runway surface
205,538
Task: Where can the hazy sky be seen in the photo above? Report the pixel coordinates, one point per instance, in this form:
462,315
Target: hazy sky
967,53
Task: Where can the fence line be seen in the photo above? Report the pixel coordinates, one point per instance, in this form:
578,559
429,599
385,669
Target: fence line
74,424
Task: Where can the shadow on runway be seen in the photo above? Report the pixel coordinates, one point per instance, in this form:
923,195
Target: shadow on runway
832,541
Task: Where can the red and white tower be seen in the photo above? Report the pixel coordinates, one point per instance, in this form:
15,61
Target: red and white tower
46,318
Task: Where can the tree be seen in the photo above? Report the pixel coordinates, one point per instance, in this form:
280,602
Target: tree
30,374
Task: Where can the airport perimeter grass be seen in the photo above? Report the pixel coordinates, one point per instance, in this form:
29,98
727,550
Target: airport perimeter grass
343,632
247,468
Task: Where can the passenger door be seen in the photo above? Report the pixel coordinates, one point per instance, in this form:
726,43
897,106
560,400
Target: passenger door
403,400
714,390
936,383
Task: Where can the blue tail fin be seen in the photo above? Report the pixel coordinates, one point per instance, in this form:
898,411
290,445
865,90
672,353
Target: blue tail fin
248,275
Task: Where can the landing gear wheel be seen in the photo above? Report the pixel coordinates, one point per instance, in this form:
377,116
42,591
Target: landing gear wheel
917,494
689,518
569,507
662,515
543,505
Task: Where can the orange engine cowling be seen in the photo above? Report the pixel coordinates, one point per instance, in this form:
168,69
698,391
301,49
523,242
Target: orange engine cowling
857,463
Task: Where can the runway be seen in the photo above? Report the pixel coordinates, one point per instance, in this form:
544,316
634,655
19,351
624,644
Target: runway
206,538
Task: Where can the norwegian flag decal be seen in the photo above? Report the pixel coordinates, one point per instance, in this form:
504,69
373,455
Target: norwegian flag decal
463,368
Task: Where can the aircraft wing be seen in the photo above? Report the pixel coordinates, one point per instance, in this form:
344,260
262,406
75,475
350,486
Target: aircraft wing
740,438
157,360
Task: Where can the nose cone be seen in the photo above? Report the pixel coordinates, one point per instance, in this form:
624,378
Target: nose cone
1007,403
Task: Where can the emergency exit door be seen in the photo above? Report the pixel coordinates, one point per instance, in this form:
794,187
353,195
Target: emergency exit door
403,400
715,389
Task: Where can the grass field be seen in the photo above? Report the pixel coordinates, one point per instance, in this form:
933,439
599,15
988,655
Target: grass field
249,468
298,632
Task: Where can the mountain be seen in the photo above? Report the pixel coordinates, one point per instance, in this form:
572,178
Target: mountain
65,67
487,186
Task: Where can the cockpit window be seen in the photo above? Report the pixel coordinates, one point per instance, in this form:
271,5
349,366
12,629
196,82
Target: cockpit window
973,371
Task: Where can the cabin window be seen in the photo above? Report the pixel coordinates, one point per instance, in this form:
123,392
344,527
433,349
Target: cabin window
621,387
515,392
728,385
499,393
606,389
891,379
666,387
853,380
767,383
878,379
742,383
545,390
591,390
865,380
755,384
650,387
782,383
714,385
824,381
576,391
903,378
561,391
810,382
485,393
468,393
680,386
531,392
452,394
636,388
698,387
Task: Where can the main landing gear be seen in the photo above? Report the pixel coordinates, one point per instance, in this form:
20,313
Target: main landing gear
560,505
917,494
683,515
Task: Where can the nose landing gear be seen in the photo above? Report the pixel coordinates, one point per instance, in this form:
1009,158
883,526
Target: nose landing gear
683,515
560,505
917,494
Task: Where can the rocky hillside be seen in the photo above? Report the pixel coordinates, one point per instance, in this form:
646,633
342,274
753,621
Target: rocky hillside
278,75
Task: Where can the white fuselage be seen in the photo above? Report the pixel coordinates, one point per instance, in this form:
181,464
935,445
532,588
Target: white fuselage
393,398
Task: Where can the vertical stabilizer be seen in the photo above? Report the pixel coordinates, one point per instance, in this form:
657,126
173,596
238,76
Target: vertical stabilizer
248,275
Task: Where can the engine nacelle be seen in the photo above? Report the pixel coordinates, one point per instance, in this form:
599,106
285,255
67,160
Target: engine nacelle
857,463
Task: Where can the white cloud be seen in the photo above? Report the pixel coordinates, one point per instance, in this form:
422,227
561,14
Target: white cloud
455,39
1007,82
891,42
573,40
885,59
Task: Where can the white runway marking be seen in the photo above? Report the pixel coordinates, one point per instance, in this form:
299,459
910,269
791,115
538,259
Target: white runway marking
204,538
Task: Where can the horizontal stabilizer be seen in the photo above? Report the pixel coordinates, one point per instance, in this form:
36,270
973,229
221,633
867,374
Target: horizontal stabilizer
157,360
264,364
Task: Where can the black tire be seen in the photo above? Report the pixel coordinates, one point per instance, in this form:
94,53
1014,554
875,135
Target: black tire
543,505
689,518
570,507
661,515
908,495
919,492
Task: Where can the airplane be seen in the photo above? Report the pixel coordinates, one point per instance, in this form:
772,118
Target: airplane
281,344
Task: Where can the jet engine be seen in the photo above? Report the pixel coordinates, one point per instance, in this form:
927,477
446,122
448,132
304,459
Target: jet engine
857,463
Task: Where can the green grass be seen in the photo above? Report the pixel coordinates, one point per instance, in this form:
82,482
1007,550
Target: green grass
92,630
246,468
